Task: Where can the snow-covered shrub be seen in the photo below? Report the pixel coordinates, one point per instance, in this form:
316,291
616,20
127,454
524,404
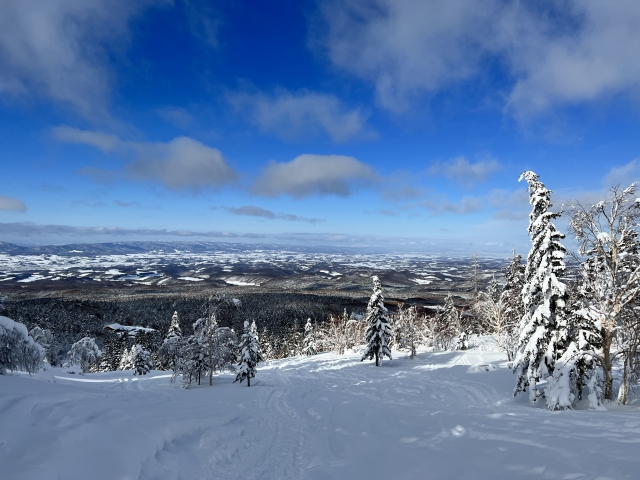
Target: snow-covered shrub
209,350
141,360
85,354
406,330
44,338
445,326
18,351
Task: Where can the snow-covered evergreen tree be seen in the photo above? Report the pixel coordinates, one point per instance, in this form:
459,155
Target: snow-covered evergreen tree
543,328
111,354
266,345
174,328
18,351
216,341
249,356
445,326
141,360
578,367
295,342
378,334
84,354
310,344
168,351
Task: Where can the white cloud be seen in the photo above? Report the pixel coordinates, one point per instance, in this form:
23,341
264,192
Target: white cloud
12,204
302,114
308,175
464,172
181,164
60,49
556,52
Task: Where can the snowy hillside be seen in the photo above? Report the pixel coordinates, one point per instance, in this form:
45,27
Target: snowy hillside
441,415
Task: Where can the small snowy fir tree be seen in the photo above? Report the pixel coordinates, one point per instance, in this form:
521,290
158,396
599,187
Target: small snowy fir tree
378,334
18,351
141,360
310,344
249,355
513,308
543,327
174,328
84,354
577,368
266,345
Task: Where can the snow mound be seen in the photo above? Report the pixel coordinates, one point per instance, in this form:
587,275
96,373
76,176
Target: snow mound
482,367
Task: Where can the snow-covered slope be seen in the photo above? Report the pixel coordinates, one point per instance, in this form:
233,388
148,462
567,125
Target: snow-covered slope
441,416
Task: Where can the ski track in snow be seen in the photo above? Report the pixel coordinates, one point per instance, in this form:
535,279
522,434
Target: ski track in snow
320,417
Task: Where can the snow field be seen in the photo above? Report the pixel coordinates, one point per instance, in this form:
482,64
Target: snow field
442,415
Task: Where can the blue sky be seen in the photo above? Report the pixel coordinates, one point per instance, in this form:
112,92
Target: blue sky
404,124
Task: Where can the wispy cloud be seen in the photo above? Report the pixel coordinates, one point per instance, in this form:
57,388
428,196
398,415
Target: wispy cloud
12,204
624,175
204,21
254,211
177,116
462,171
302,114
181,164
308,175
29,229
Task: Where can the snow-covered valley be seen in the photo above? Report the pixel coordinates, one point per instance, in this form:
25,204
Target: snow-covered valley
448,415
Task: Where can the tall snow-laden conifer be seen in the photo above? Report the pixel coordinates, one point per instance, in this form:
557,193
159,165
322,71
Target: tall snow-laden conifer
378,334
543,327
249,356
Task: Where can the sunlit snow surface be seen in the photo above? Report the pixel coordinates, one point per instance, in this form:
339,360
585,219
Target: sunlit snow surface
441,416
